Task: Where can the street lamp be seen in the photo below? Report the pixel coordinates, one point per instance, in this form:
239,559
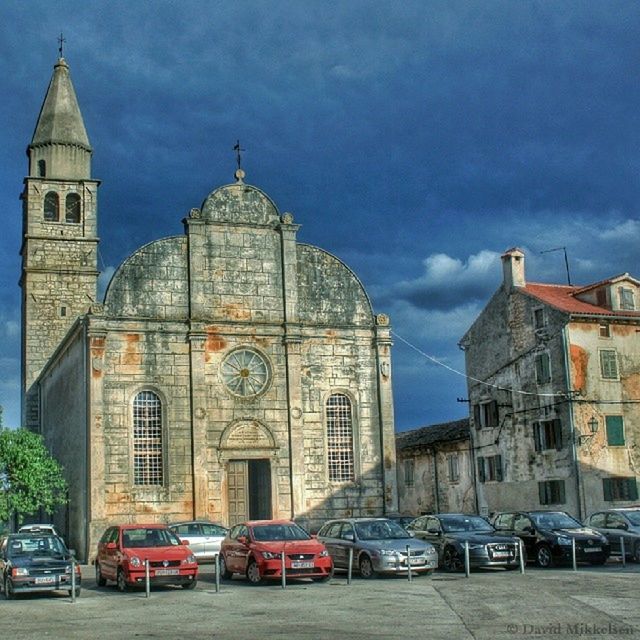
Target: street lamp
593,425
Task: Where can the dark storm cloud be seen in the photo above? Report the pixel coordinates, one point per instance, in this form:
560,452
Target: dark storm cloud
417,140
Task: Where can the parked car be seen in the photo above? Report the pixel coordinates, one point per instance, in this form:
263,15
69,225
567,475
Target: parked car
204,538
619,523
255,548
548,536
448,532
38,528
379,546
123,549
36,562
403,521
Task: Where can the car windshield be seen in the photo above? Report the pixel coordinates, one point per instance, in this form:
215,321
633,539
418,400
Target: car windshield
555,520
50,546
633,517
459,524
149,537
284,531
380,530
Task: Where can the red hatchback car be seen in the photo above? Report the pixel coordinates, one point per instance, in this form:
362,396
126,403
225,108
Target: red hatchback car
255,549
123,549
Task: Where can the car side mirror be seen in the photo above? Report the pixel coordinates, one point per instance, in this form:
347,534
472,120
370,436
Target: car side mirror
434,532
411,534
184,542
242,539
349,536
111,545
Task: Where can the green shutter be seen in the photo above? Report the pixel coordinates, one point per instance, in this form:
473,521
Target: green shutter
476,415
615,430
606,488
498,460
633,489
481,469
563,497
542,493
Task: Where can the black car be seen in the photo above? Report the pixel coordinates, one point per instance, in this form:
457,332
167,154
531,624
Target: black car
448,532
548,537
36,562
619,523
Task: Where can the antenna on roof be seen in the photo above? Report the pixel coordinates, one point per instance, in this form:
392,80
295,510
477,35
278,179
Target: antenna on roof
566,260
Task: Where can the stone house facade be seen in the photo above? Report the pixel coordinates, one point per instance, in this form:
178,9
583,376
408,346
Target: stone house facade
435,469
230,372
554,391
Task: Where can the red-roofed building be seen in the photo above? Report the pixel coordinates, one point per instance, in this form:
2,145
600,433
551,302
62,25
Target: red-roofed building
554,390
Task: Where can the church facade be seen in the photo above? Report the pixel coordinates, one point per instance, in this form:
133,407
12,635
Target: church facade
230,372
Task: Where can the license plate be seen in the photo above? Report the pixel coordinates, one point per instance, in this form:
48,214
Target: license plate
302,565
167,572
416,560
592,549
45,580
501,554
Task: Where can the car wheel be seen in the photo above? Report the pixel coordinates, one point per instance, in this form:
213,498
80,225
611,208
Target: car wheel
366,567
77,592
636,552
9,593
451,560
544,558
225,574
121,581
324,578
101,581
253,572
189,585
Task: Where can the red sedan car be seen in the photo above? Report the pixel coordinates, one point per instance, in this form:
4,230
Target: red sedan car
123,549
255,549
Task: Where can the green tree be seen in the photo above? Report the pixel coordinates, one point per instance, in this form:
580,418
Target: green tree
30,478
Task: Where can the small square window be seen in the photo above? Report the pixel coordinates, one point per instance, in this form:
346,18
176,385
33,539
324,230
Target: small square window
620,489
454,471
605,330
63,312
551,492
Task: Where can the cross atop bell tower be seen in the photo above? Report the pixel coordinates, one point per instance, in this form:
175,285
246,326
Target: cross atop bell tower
59,230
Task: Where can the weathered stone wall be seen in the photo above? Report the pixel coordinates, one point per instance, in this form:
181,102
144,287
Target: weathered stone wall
63,396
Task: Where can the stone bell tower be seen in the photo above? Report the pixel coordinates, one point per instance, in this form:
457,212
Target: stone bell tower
59,232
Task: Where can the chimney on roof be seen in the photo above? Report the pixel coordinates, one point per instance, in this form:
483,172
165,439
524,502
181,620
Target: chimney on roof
513,269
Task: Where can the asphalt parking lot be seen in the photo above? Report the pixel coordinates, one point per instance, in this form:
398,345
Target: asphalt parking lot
595,602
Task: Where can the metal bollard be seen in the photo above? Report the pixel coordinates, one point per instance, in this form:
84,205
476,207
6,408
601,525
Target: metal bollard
467,565
284,575
573,554
217,561
409,576
522,562
73,579
350,567
622,552
147,579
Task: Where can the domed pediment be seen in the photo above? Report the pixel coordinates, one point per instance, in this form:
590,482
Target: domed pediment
240,203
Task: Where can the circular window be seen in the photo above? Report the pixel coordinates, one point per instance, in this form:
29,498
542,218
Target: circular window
245,372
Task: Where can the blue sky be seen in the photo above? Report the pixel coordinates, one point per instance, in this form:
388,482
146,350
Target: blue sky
415,140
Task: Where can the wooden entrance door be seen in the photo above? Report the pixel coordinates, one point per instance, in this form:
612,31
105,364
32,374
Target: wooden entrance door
249,490
238,491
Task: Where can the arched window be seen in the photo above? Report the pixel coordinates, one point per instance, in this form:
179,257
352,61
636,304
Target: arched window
340,438
73,208
51,207
147,439
42,168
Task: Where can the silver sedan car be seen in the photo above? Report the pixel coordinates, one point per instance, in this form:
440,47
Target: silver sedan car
379,545
204,538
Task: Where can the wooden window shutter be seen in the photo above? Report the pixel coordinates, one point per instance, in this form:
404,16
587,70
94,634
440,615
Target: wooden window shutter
606,487
557,432
493,414
633,489
481,474
561,491
476,415
537,441
498,460
542,493
615,430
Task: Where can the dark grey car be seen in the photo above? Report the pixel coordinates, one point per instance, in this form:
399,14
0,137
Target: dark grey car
619,523
379,546
448,533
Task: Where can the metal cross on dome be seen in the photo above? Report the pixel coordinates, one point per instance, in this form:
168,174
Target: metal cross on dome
238,149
